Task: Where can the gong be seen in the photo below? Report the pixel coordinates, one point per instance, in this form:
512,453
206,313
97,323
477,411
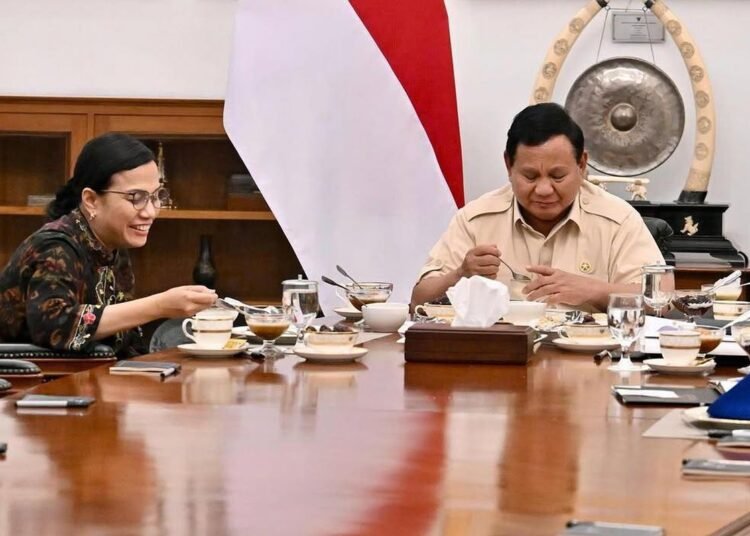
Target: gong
631,114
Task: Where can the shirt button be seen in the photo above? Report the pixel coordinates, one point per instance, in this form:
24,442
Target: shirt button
585,201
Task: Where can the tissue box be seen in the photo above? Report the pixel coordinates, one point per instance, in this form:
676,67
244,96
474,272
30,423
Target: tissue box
442,343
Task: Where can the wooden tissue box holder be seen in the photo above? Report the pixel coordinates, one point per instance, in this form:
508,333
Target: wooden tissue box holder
441,343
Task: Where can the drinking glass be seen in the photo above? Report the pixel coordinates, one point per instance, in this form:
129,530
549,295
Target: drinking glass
361,294
625,317
269,327
371,292
710,339
300,301
692,303
653,286
741,334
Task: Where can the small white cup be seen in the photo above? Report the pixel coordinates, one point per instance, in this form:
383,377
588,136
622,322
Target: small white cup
385,317
212,328
525,312
679,347
442,312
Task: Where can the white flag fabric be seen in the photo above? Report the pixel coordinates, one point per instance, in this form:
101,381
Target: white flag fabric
334,143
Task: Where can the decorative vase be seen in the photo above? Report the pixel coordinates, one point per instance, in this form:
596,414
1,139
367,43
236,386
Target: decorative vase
204,272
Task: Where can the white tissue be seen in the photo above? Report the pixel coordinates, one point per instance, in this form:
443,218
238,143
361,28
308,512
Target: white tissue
479,302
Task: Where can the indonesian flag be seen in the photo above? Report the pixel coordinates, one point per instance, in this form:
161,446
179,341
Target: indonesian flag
345,114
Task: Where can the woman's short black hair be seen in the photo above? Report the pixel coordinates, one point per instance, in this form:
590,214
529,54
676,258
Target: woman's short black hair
536,124
100,158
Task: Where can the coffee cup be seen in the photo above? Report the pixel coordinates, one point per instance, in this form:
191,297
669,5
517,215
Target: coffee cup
385,317
584,331
441,312
679,347
211,328
525,312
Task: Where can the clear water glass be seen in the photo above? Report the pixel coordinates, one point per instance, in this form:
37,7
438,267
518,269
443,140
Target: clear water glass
656,282
626,317
299,300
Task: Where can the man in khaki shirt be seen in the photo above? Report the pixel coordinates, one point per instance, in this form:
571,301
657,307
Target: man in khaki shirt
577,242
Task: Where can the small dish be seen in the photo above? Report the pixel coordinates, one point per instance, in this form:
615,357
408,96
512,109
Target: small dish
350,313
334,340
661,365
345,355
699,417
586,344
198,351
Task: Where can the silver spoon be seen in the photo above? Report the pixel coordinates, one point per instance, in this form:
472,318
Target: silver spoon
343,272
237,305
516,275
332,282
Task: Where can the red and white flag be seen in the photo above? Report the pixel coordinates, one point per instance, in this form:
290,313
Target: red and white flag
345,114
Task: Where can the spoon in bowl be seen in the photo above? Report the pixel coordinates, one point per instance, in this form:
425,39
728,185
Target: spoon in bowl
343,272
332,282
516,275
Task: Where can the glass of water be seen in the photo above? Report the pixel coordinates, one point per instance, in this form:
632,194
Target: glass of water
656,282
300,301
626,317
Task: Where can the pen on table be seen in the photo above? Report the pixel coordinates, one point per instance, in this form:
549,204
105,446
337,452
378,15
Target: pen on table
719,434
74,403
168,372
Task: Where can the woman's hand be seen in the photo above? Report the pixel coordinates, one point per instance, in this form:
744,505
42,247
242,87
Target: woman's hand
184,301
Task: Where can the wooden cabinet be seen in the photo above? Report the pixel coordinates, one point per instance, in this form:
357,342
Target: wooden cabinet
40,139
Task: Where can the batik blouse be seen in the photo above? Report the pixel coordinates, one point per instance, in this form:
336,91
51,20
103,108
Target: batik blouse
56,285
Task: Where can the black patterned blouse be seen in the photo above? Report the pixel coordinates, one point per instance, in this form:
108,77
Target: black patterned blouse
56,285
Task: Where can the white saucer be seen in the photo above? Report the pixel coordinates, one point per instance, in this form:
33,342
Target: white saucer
338,356
699,416
660,365
586,344
350,313
198,351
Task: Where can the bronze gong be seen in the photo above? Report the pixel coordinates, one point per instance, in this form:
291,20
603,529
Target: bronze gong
631,113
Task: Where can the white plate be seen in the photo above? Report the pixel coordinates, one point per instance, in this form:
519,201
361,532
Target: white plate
587,344
195,350
339,356
660,365
349,313
699,416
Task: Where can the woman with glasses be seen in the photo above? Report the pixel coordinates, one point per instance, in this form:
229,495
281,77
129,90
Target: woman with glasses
70,284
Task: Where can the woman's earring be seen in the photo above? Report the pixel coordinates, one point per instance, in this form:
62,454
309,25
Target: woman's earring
93,216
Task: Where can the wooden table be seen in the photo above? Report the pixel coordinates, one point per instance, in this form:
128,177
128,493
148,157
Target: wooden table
377,448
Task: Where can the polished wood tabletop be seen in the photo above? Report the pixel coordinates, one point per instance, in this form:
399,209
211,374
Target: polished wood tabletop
380,447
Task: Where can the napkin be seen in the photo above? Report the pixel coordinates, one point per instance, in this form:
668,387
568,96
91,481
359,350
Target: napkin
734,404
479,302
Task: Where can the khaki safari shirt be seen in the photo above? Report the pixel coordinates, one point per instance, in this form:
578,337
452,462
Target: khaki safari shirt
602,237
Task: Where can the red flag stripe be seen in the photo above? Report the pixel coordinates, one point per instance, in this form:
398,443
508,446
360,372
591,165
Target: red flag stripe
414,37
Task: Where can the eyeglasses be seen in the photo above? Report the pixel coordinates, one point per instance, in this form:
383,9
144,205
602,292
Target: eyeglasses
140,198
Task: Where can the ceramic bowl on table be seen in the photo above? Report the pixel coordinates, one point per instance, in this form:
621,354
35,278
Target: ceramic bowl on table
445,313
727,293
525,312
729,309
330,339
385,317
